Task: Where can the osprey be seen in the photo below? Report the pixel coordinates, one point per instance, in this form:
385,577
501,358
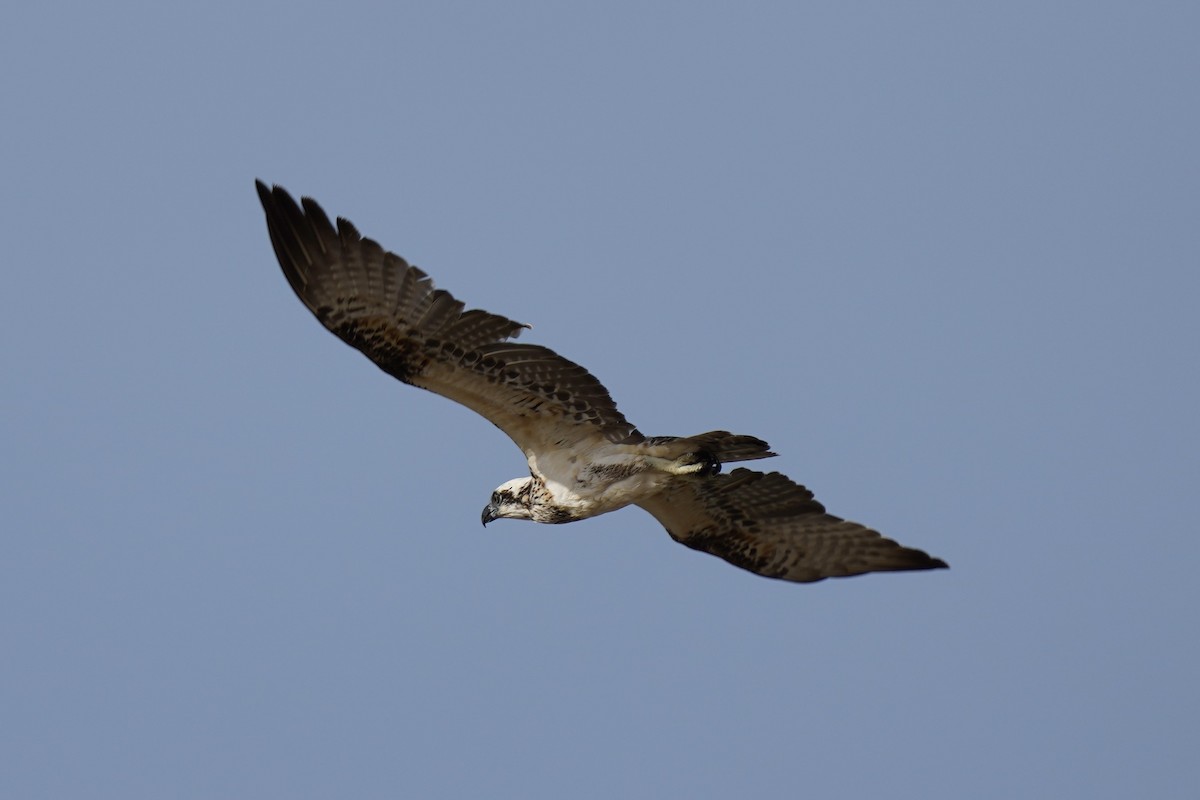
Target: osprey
584,457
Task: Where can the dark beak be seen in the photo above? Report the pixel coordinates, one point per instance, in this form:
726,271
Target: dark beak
489,514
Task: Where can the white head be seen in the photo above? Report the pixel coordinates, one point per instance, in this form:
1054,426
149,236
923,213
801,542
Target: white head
510,501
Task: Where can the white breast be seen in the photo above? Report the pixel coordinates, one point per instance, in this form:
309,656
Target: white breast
602,480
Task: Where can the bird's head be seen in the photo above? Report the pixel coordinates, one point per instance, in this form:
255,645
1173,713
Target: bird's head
509,501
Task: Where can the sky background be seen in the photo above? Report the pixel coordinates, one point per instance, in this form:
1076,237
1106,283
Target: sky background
945,257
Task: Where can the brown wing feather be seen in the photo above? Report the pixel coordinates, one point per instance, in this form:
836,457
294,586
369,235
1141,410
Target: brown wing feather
767,524
378,303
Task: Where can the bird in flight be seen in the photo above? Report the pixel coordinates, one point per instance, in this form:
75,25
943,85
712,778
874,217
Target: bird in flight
584,457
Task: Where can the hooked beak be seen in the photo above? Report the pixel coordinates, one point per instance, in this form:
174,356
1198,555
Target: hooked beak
489,514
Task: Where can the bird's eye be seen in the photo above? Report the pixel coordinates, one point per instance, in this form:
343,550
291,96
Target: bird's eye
496,498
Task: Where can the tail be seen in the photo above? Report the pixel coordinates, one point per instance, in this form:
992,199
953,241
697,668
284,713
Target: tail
721,445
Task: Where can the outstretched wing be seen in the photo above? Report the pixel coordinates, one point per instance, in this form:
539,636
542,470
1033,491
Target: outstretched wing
390,311
765,523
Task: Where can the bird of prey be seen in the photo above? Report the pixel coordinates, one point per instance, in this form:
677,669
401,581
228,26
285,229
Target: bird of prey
584,457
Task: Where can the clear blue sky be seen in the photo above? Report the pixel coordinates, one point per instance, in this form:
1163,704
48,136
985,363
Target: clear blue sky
945,257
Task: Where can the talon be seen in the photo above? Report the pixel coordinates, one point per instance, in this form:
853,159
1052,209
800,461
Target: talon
710,465
701,462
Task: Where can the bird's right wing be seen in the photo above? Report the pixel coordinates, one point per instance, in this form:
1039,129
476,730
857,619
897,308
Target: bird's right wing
767,524
379,304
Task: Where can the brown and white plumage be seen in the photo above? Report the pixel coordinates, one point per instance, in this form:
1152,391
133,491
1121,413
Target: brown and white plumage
584,457
378,303
768,524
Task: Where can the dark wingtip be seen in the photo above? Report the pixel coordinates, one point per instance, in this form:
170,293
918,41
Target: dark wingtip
264,191
922,560
275,196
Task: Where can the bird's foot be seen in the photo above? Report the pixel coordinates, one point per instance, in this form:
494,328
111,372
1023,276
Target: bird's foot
701,463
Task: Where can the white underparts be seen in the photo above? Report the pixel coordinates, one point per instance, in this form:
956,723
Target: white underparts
577,485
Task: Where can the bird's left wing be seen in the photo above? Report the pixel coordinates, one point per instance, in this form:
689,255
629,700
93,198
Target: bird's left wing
389,310
767,524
